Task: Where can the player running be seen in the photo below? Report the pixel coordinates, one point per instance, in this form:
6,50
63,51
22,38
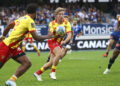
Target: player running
28,38
116,50
76,32
55,44
64,47
9,47
114,37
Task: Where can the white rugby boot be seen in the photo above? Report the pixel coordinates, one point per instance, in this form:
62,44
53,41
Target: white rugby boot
38,77
52,75
10,83
106,71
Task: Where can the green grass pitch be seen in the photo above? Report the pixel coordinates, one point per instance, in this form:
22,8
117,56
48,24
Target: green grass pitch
84,68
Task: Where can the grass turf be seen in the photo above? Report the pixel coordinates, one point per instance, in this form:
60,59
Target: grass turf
84,68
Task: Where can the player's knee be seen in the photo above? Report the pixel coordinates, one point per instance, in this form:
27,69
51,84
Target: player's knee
28,64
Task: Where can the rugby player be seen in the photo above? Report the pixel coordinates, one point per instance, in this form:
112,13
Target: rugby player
116,50
55,44
9,47
114,37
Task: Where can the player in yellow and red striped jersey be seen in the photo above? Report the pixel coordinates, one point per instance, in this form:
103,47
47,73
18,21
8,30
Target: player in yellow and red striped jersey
9,47
28,38
65,47
55,44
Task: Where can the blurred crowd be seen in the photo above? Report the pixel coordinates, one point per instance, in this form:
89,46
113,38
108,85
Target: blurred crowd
85,14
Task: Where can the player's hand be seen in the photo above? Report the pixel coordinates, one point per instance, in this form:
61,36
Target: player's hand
1,38
50,34
116,30
78,35
62,43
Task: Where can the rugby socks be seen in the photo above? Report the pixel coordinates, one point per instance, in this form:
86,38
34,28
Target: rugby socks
38,51
111,61
39,72
53,68
13,78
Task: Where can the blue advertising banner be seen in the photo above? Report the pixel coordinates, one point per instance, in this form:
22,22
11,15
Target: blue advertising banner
42,29
96,29
88,29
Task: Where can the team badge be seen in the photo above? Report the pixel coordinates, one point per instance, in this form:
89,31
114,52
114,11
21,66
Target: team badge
33,25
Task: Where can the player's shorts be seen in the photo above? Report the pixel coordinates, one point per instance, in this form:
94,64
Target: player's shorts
52,44
29,39
115,35
6,52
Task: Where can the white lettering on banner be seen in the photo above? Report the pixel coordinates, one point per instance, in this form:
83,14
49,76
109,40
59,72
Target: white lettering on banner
39,45
43,46
96,30
92,44
28,47
79,44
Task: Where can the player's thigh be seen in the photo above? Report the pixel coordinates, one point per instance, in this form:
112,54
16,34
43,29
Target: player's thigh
57,51
23,60
52,57
111,41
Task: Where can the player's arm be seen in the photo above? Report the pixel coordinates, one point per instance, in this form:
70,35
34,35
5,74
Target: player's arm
72,34
116,27
8,27
79,34
69,35
6,30
67,39
39,37
35,35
